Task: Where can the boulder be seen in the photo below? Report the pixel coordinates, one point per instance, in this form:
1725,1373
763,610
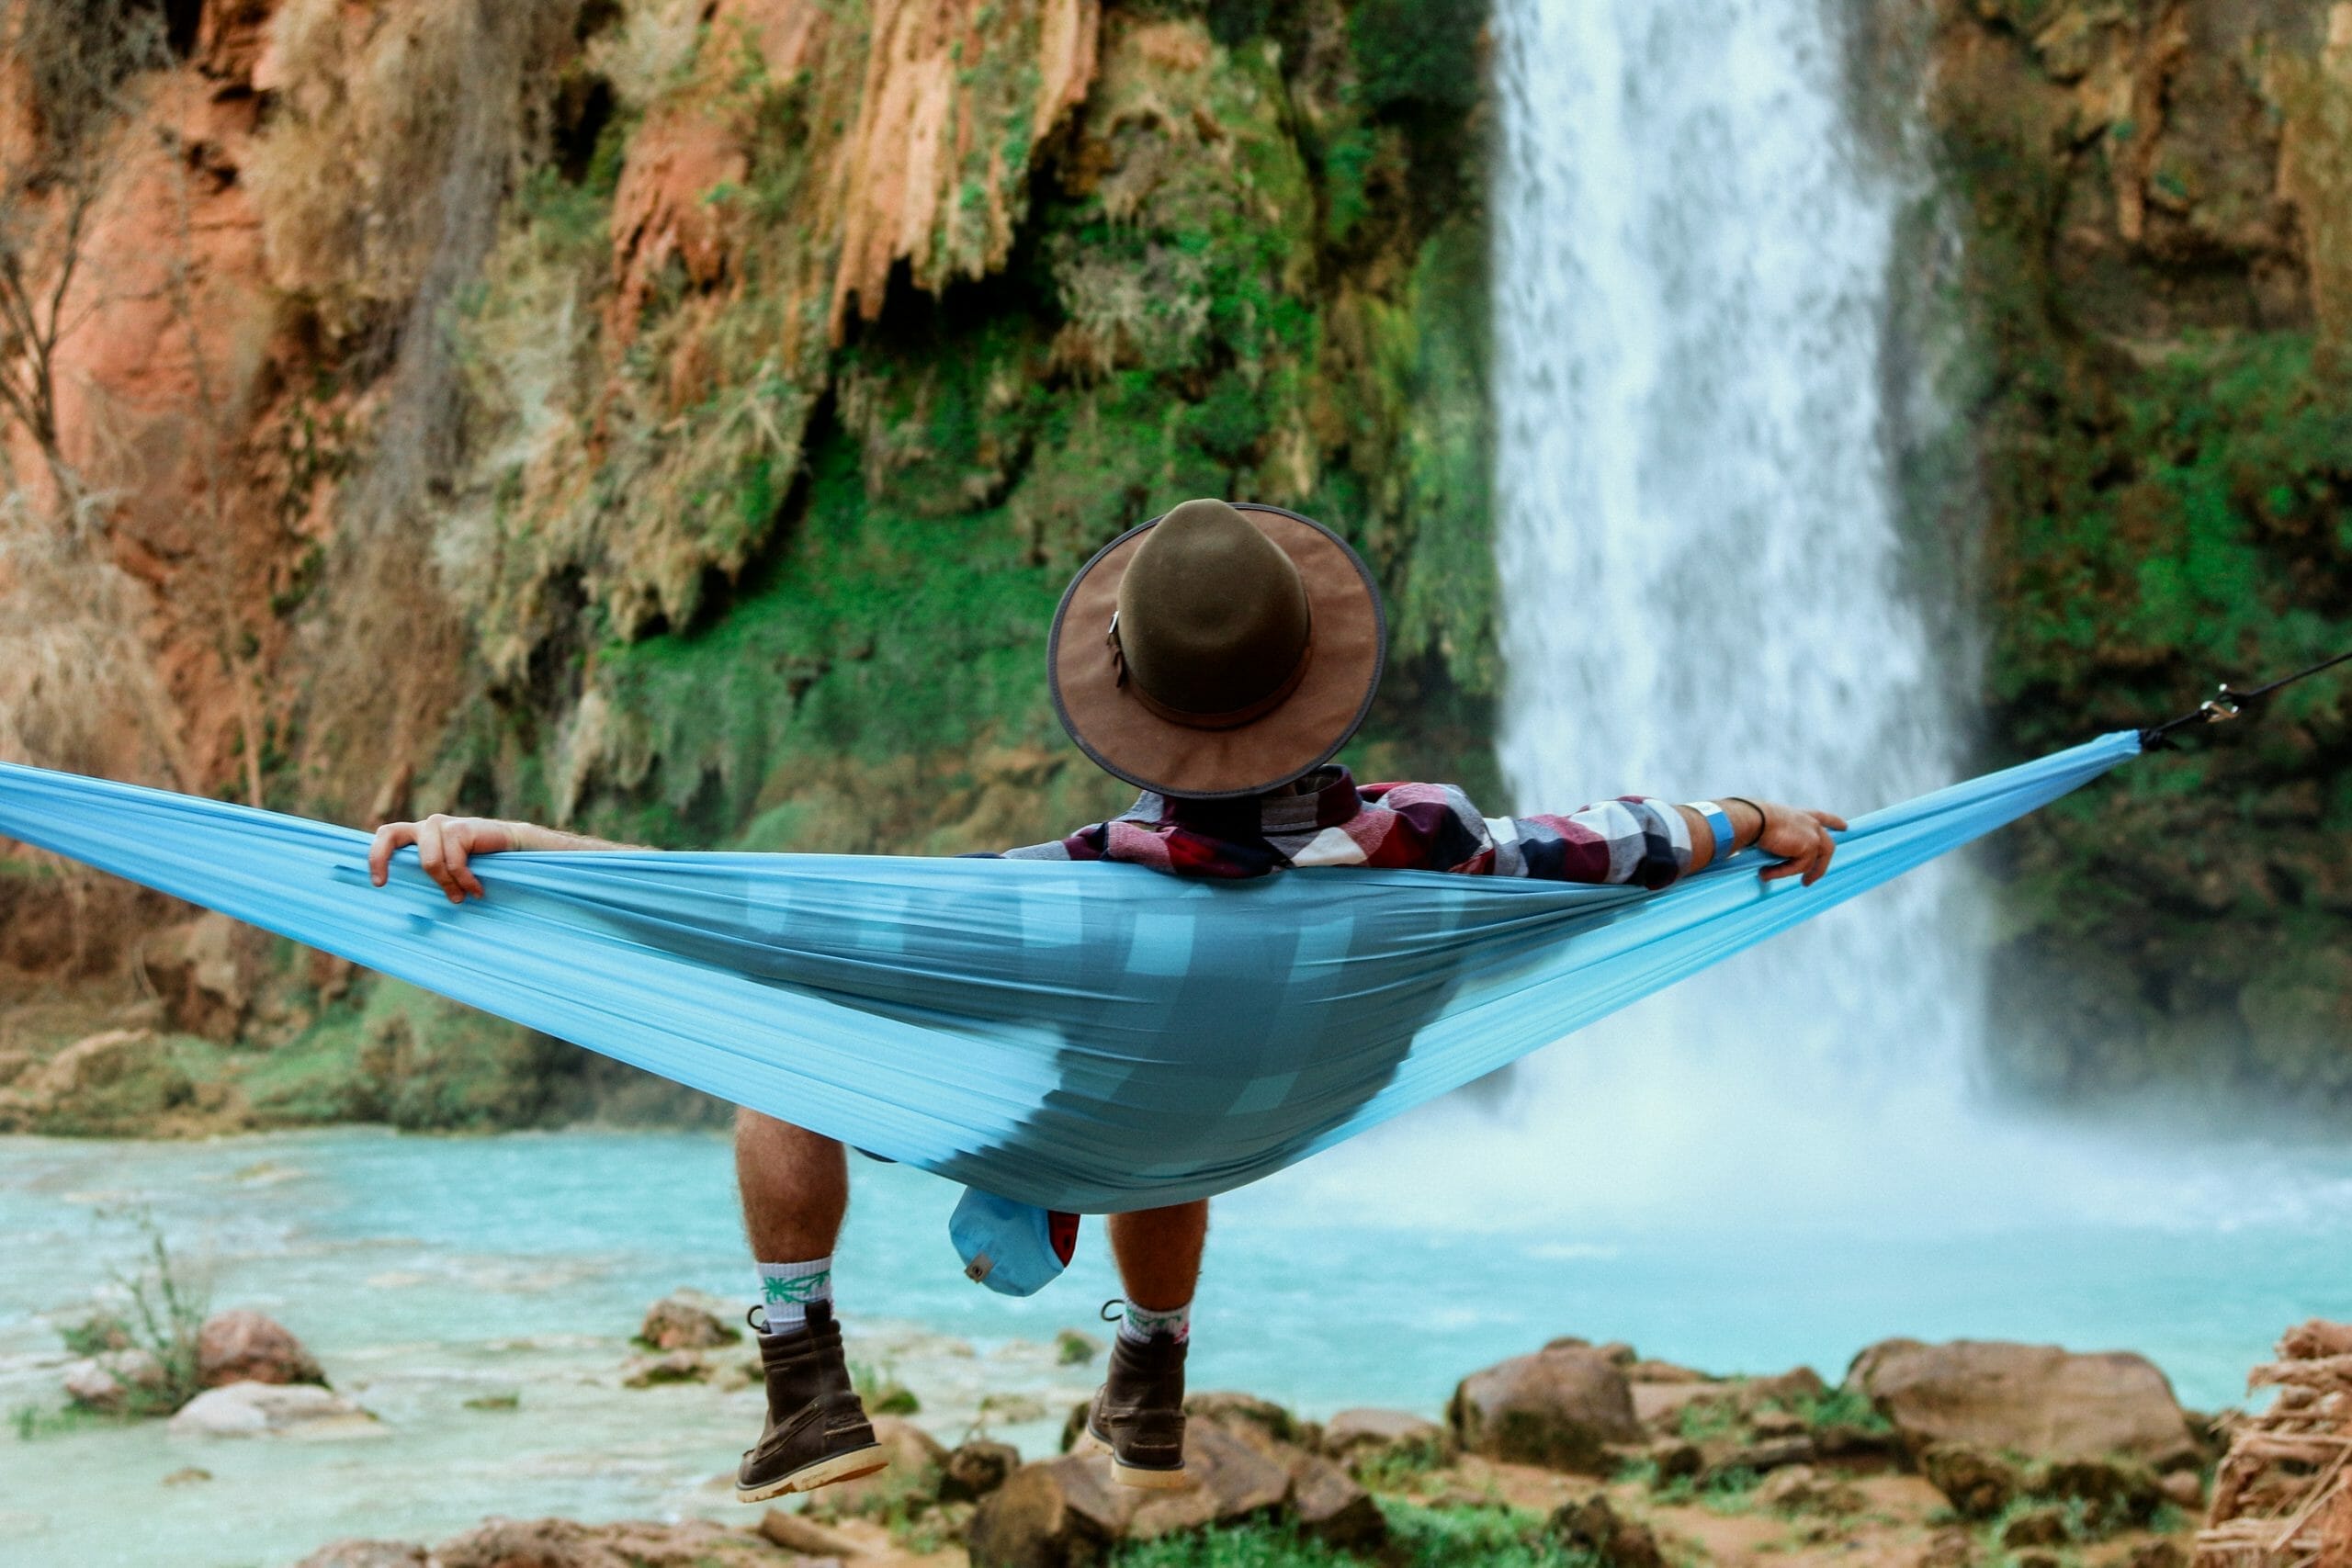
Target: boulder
2043,1526
2112,1493
2038,1400
1228,1408
685,1320
918,1462
1068,1510
1359,1434
631,1544
113,1381
976,1469
1976,1483
1561,1407
1755,1459
670,1367
367,1554
1332,1506
1801,1489
245,1346
1593,1526
1674,1459
261,1409
1789,1389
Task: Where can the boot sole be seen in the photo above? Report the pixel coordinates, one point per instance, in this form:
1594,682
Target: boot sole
1133,1475
824,1473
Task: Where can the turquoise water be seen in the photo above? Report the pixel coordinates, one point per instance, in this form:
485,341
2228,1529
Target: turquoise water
426,1271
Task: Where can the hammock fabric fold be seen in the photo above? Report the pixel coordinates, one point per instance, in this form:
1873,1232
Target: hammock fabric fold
1091,1037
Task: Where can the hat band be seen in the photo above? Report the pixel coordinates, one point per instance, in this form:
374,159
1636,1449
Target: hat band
1231,718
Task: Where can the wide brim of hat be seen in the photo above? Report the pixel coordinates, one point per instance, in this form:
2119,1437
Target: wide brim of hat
1348,645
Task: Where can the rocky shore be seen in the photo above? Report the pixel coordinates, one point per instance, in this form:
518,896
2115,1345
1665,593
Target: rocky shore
1920,1456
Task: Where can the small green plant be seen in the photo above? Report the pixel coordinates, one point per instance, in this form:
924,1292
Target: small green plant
96,1334
879,1390
1702,1419
1397,1466
1839,1406
167,1309
33,1422
1729,1491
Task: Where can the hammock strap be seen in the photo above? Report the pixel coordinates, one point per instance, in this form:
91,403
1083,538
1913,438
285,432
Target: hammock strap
2226,704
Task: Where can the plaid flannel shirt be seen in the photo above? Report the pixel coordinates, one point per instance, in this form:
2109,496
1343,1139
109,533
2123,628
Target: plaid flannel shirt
1420,827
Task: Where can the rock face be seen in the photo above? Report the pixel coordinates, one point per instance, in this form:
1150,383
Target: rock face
2037,1400
245,1346
260,1409
1562,1408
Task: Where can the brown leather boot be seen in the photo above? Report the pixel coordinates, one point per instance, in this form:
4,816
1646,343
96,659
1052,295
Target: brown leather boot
1138,1412
817,1432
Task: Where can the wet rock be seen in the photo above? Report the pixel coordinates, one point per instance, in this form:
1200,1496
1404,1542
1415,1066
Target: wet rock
113,1381
687,1320
367,1554
673,1366
2035,1527
1075,1349
1355,1436
1561,1407
245,1346
2037,1400
796,1532
1977,1485
261,1409
1594,1526
976,1469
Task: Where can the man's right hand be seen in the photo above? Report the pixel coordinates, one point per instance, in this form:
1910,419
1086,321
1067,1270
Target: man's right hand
1800,837
443,844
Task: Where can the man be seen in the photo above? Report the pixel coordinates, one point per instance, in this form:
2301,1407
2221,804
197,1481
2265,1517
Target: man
1217,658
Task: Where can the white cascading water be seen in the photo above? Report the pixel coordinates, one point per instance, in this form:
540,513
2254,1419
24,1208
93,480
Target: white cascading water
1703,586
1698,543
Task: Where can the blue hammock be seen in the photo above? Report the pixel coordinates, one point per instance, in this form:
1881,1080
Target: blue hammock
1086,1037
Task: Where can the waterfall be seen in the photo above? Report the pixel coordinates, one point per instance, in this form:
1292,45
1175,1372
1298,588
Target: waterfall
1703,575
1704,584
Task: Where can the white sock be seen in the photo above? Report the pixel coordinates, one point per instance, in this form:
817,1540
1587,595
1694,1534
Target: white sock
787,1289
1141,1323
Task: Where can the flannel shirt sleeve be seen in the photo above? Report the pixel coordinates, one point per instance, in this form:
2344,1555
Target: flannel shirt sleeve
1084,844
1634,839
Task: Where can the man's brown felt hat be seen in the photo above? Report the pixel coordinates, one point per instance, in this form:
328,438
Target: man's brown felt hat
1221,650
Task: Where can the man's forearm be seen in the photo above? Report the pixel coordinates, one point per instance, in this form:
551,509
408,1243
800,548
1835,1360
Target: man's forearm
1746,826
532,836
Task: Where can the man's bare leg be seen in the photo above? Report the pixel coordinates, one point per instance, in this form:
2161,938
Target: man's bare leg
1158,1253
796,1188
1138,1414
795,1185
